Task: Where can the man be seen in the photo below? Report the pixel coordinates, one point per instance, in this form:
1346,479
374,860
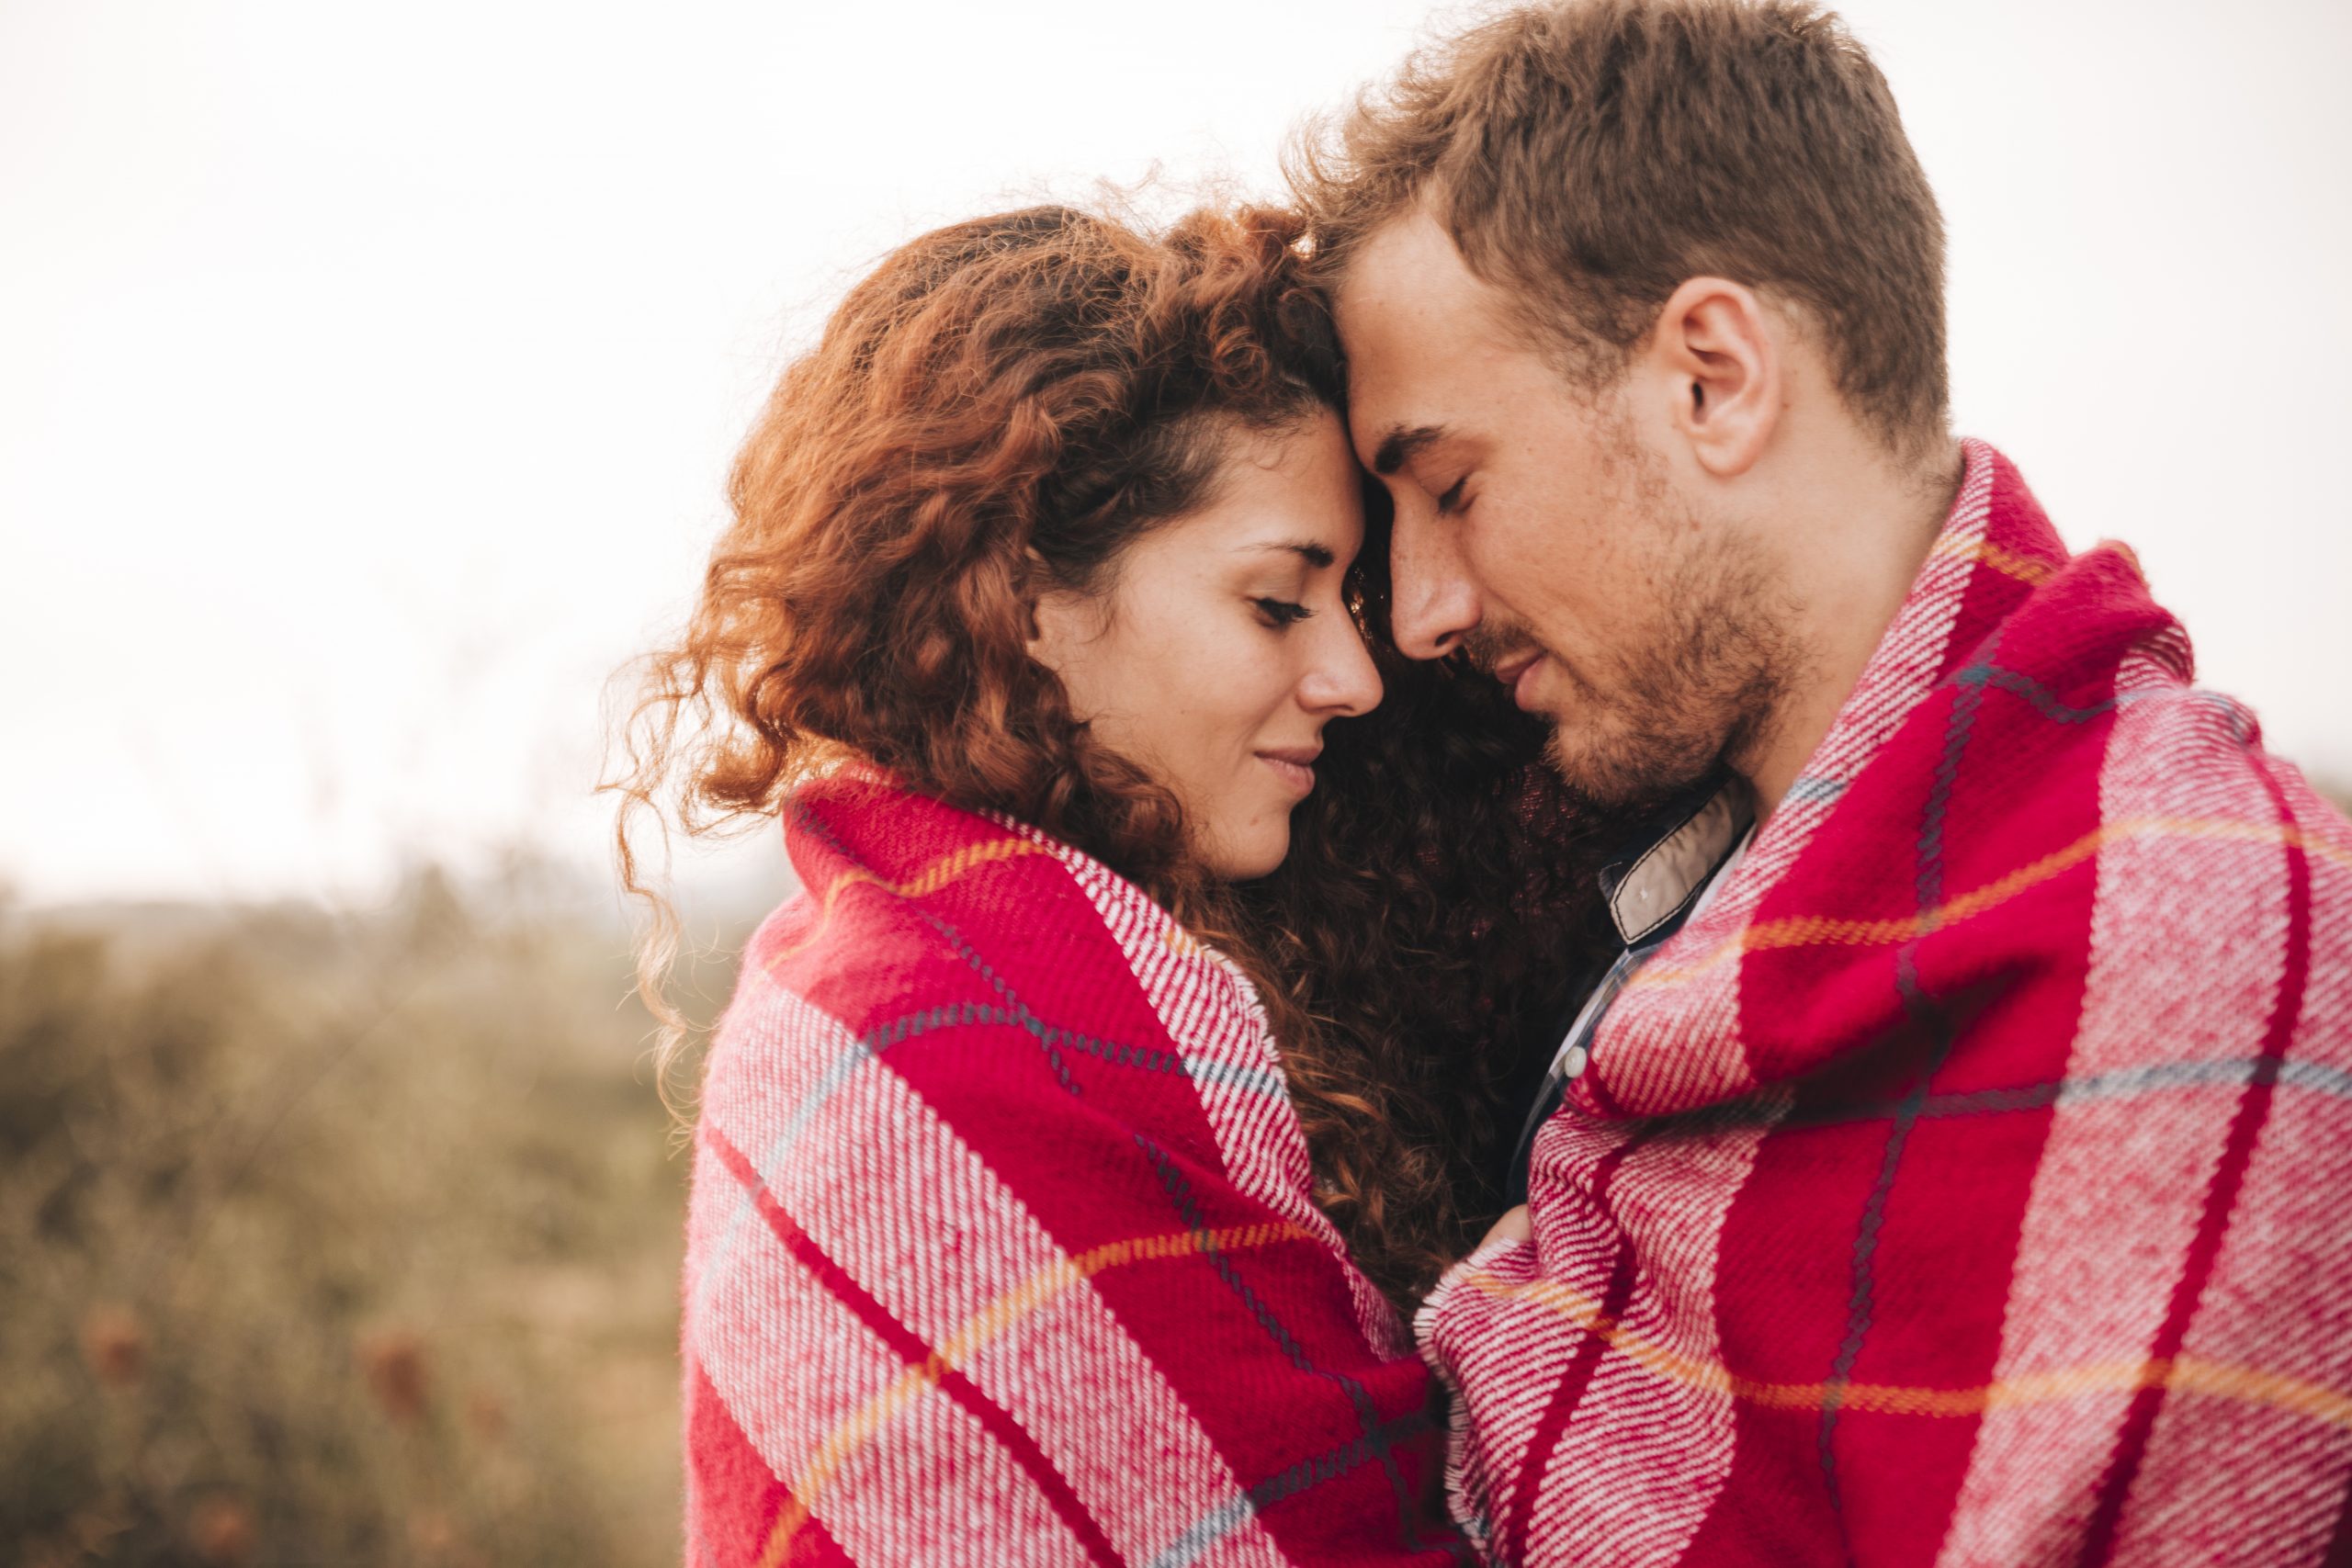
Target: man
1951,1170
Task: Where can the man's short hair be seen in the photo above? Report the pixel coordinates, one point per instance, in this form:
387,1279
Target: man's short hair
1592,155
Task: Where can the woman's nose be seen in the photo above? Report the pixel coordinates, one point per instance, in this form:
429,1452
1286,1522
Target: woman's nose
1343,681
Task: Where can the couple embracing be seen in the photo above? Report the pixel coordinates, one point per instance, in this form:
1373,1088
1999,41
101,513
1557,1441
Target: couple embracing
1468,894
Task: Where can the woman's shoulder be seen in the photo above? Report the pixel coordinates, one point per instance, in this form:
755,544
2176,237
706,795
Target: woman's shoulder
821,971
918,927
1011,983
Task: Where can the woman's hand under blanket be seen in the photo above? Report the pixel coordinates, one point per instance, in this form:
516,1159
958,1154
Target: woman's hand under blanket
1513,1226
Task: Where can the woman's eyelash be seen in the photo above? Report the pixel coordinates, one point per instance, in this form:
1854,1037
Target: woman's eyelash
1282,611
1452,498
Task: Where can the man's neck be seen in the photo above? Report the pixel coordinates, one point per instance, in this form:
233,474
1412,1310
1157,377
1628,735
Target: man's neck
1858,544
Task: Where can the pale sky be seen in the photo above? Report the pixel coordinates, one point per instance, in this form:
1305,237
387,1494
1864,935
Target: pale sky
369,374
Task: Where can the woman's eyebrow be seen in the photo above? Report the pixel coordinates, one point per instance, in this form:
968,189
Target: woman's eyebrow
1317,555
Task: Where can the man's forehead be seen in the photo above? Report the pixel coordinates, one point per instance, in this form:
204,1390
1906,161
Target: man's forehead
1412,320
1404,257
1371,428
1409,270
1393,412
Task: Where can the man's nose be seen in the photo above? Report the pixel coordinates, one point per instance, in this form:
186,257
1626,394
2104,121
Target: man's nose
1433,604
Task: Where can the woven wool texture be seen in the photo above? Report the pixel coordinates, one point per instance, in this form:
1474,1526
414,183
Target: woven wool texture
1000,1248
1967,1184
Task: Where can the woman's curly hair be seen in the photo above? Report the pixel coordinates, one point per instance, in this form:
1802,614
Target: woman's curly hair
998,411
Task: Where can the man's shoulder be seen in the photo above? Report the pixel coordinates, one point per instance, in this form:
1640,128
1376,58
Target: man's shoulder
2197,754
2197,815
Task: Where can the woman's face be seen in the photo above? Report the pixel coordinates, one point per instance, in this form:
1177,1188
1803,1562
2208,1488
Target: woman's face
1221,646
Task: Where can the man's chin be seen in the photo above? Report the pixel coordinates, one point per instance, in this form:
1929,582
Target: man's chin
1622,776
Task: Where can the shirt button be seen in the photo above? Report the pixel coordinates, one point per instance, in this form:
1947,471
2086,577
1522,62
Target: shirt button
1573,1060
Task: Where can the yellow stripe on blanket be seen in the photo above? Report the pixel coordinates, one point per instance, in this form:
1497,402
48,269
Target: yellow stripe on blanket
929,880
2181,1374
2025,569
1031,1295
1824,931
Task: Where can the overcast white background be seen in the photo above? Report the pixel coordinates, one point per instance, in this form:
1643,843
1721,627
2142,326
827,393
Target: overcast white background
369,373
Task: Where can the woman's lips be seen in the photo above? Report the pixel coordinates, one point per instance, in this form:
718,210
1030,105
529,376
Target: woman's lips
1295,768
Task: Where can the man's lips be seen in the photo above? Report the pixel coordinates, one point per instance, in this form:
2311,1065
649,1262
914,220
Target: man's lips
1515,671
1295,765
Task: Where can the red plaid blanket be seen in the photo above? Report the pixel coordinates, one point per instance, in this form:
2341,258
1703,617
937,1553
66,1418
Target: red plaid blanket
1967,1184
1001,1249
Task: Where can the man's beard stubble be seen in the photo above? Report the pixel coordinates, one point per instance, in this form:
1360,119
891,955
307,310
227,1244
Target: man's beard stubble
1701,688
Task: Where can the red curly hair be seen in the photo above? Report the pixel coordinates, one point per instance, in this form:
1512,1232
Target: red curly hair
999,410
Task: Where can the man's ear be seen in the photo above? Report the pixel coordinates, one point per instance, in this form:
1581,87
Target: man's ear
1723,367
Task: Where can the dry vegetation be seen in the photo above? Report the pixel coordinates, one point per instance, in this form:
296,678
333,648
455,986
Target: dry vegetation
332,1238
335,1238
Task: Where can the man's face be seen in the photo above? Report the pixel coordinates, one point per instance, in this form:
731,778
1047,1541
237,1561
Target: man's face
1550,533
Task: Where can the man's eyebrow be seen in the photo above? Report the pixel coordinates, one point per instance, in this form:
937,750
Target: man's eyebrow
1401,445
1317,555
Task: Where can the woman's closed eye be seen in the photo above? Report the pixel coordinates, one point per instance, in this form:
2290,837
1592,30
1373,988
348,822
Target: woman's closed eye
1282,611
1451,501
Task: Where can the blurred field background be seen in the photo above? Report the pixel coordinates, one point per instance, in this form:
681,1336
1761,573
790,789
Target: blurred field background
340,1236
335,1237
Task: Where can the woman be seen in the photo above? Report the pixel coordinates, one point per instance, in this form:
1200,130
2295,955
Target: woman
1039,1131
